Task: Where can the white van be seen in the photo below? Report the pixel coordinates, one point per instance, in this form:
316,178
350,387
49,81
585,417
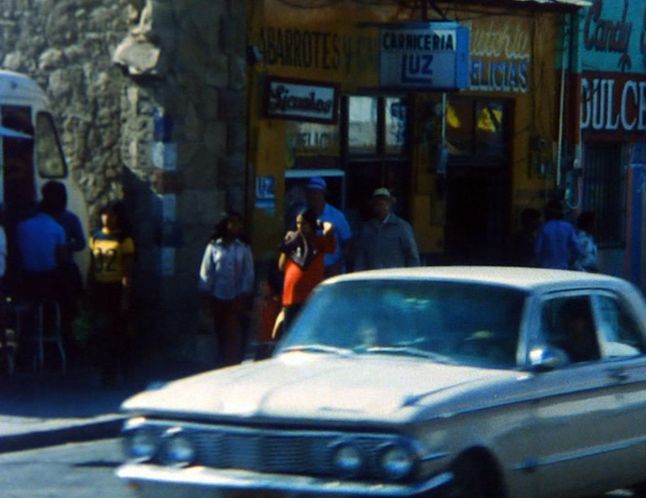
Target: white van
31,153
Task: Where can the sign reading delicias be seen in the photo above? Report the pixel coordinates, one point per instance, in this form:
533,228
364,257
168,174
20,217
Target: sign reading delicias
302,101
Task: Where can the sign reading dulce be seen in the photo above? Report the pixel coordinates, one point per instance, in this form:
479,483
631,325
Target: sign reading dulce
289,99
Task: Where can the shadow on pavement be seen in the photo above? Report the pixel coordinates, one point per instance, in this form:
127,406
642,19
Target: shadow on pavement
78,393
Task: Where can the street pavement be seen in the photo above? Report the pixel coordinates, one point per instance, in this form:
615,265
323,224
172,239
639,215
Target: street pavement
49,408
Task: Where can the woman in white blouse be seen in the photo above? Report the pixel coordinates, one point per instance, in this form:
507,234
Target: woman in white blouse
226,280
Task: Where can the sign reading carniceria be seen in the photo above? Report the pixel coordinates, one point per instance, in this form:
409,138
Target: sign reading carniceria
426,55
301,100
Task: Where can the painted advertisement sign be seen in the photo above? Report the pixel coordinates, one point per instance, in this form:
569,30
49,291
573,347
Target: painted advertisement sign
292,99
614,36
612,102
613,84
329,54
500,54
427,56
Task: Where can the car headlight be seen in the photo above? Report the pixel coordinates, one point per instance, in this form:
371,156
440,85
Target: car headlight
397,462
179,450
347,459
140,445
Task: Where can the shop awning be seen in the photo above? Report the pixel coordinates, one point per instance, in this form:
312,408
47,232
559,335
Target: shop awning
556,3
8,132
537,4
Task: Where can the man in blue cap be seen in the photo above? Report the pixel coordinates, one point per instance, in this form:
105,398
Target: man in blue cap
335,263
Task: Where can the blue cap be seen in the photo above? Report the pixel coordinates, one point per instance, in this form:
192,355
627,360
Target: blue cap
316,183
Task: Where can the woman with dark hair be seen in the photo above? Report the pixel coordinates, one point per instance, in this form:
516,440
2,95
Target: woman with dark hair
301,258
110,288
226,280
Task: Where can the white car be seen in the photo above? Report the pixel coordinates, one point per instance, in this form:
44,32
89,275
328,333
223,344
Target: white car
452,381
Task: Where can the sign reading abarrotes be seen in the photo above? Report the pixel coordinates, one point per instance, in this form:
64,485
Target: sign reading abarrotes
302,101
425,56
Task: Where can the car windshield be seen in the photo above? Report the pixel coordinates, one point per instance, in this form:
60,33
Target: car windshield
447,322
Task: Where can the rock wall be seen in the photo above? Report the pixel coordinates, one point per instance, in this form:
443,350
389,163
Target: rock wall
66,46
151,101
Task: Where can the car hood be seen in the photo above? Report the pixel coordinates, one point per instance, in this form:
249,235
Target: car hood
316,386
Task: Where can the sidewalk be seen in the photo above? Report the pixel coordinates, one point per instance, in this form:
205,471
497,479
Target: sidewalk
47,409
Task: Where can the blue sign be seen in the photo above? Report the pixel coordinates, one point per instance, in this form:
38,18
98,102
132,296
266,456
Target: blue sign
424,56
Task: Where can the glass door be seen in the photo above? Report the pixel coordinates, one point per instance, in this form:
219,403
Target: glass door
375,152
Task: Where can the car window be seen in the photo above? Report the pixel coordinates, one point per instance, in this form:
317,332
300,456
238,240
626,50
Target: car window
619,330
463,323
568,326
49,156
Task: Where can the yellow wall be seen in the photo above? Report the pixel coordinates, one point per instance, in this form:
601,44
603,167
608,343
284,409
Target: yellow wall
343,49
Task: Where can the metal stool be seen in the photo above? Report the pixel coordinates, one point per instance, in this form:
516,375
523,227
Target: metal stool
48,329
15,315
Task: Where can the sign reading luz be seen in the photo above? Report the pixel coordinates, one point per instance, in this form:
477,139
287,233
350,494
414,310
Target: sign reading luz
433,55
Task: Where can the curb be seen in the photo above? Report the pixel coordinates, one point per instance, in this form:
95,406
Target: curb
103,428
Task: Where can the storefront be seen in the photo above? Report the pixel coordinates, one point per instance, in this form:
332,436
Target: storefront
462,163
612,131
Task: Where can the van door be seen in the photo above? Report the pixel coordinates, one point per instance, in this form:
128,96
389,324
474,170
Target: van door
18,157
579,413
18,180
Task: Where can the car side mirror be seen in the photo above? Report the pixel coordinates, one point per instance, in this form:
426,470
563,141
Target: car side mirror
544,359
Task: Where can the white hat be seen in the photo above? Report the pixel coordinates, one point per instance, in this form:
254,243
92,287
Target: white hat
383,192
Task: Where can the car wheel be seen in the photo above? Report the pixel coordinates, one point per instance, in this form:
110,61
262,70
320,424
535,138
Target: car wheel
639,490
470,480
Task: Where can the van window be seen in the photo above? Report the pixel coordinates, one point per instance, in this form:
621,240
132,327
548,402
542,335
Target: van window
49,156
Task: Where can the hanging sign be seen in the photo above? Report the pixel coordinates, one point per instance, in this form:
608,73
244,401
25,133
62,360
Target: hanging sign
424,56
301,100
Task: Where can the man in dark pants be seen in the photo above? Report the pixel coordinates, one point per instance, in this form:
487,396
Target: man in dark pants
42,250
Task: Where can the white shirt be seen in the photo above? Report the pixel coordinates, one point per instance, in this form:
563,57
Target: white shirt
226,271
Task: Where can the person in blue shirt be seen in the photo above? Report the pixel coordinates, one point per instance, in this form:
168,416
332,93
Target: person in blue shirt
69,221
556,243
55,193
42,250
74,235
336,262
587,260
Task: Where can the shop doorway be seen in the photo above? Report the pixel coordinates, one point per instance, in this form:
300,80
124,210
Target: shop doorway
478,181
375,153
476,216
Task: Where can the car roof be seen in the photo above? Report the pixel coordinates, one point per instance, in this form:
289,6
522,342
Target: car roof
522,278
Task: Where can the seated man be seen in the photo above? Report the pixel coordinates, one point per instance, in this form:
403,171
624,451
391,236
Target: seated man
580,344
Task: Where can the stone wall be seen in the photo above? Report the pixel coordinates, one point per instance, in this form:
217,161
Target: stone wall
66,46
151,101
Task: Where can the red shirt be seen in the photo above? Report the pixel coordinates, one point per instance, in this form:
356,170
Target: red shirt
300,282
269,311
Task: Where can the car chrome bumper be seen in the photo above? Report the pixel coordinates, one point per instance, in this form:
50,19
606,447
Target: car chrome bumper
238,480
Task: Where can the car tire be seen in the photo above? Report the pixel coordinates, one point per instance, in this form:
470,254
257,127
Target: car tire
639,490
471,479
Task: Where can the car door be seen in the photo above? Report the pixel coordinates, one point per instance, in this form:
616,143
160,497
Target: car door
577,410
623,351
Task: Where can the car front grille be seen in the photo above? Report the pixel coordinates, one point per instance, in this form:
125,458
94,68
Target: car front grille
260,452
275,451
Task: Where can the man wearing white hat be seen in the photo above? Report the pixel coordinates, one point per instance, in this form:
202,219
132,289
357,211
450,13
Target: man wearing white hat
386,240
335,263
